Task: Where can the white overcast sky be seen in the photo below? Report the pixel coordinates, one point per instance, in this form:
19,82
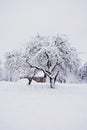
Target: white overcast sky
21,19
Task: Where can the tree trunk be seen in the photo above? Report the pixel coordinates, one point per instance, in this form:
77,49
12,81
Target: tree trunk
30,80
45,76
10,76
52,83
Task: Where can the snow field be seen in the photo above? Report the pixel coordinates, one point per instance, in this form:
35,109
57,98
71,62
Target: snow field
37,107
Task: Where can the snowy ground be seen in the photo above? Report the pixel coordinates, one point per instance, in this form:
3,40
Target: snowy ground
37,107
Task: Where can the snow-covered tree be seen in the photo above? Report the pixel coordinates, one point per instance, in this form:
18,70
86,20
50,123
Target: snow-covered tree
0,71
11,65
83,73
16,67
52,55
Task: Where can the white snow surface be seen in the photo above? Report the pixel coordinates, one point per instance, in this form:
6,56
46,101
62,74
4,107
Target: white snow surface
37,107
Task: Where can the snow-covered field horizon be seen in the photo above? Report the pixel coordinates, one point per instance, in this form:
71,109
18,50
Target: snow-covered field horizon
37,107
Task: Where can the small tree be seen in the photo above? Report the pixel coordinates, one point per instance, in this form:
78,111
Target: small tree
11,65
